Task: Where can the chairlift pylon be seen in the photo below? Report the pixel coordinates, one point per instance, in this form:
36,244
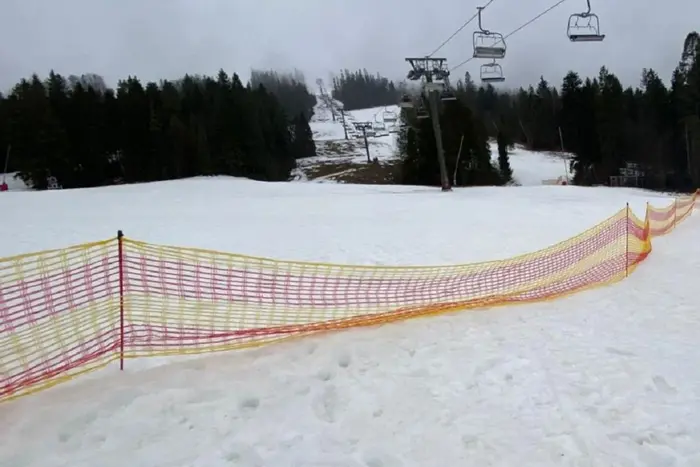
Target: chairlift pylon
492,73
589,32
488,44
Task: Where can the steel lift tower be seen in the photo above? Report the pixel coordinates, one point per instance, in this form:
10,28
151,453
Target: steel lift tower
434,75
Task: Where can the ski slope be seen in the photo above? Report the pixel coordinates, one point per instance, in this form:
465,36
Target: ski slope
604,378
531,168
337,156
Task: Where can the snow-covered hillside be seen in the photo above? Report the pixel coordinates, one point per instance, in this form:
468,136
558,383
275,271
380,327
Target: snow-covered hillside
606,377
339,159
531,168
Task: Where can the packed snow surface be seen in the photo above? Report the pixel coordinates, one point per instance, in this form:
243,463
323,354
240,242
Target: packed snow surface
607,377
532,168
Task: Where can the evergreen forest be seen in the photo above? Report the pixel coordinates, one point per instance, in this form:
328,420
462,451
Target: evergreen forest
83,133
80,133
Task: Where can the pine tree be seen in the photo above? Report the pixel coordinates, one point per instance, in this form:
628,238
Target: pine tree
419,164
303,138
503,160
360,90
462,135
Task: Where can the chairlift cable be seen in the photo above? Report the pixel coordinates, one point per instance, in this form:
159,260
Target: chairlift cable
536,18
454,34
523,26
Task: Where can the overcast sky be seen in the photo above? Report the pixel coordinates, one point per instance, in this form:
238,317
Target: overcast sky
157,39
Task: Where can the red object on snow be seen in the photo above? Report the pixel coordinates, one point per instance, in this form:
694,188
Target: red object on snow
3,186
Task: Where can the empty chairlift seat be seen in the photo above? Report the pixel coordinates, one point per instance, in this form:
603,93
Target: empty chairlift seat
488,44
448,95
406,102
389,117
584,27
492,73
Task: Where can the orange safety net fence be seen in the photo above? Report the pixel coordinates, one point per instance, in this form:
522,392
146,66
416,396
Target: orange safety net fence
70,311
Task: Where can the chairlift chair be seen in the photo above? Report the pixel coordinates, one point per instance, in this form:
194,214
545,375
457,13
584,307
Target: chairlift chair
488,44
492,73
406,102
434,86
443,74
447,95
588,32
414,74
388,116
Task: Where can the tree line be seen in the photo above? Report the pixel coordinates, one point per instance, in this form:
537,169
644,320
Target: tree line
289,88
466,146
81,133
360,90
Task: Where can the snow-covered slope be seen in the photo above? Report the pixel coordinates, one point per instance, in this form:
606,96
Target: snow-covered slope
603,378
338,156
531,168
13,182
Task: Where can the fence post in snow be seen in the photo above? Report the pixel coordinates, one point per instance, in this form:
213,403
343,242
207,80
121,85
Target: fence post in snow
675,212
120,244
627,239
